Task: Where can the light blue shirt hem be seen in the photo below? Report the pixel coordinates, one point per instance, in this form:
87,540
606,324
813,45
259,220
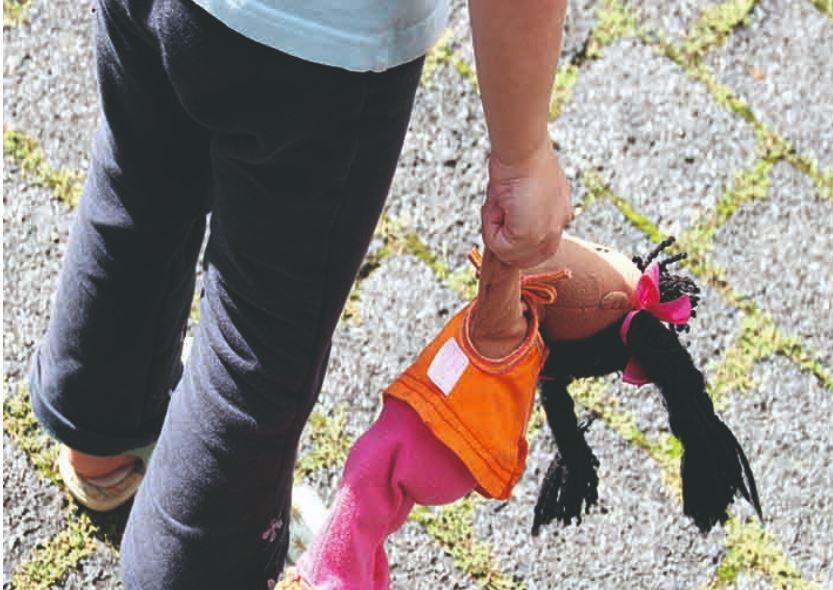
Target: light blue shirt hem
328,45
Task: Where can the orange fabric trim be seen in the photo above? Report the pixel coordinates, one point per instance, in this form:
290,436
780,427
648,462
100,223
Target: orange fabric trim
478,407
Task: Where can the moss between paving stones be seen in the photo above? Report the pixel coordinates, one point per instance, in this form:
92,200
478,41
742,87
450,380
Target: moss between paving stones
20,424
329,440
14,12
451,526
778,146
757,340
443,53
439,54
52,560
825,6
613,22
751,548
565,80
715,276
714,25
749,184
26,151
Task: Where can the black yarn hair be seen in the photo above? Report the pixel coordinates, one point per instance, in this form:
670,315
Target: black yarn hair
714,468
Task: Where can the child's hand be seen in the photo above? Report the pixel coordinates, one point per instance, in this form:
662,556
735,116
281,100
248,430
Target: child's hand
498,325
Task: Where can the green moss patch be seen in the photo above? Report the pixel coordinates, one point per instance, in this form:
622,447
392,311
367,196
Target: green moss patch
52,560
714,25
26,151
752,549
14,12
614,21
329,443
20,424
452,527
565,80
825,6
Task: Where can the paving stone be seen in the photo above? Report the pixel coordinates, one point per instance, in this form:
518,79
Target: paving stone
416,561
753,581
657,136
35,227
642,540
788,45
783,425
99,571
460,27
32,509
778,252
604,224
49,80
440,182
672,18
578,24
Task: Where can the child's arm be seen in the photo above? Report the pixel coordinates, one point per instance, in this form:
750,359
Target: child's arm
498,325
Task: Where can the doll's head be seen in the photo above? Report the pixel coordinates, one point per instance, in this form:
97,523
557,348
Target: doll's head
596,328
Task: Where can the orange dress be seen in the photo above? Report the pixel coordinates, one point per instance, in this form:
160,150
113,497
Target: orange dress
480,407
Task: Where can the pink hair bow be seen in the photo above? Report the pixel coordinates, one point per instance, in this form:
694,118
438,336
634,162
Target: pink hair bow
677,311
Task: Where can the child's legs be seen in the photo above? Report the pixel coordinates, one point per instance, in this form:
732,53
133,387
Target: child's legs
103,373
302,156
396,463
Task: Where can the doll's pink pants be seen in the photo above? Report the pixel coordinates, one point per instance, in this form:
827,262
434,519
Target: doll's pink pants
396,463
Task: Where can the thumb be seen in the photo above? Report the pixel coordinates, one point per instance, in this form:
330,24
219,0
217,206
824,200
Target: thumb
493,220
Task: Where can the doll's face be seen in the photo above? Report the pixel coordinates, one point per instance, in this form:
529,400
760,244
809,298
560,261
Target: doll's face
600,291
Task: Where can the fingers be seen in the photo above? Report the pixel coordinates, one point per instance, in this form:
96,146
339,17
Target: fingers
525,211
519,251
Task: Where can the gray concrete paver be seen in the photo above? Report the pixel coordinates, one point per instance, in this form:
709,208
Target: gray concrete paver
49,80
35,227
642,540
658,137
778,252
440,181
99,571
781,64
32,509
784,426
674,19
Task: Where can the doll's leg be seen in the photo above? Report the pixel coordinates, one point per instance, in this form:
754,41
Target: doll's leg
393,465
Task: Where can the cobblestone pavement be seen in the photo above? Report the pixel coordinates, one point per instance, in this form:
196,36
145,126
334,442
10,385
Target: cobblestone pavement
709,121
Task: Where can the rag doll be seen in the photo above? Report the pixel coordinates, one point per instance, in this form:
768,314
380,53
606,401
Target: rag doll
455,420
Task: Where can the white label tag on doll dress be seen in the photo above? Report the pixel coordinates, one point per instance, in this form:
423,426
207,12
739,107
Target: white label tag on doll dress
448,366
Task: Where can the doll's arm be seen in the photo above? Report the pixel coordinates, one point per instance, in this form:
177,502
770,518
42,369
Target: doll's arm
498,325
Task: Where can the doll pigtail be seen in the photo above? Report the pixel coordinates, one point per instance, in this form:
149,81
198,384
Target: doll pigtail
714,467
571,481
